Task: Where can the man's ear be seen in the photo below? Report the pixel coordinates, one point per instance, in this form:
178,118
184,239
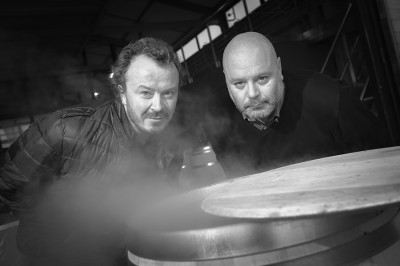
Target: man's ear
278,63
122,94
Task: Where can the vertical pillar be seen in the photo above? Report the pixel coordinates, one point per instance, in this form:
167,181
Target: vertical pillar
216,61
190,80
246,10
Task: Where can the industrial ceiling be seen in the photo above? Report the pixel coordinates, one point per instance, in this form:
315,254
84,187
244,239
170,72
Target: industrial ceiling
53,50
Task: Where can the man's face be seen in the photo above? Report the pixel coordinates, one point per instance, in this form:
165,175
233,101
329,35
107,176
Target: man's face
151,94
254,81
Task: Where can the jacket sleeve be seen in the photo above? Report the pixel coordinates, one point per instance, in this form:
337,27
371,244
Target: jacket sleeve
359,127
31,163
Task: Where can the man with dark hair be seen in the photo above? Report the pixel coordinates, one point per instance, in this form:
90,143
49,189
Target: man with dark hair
296,116
73,176
152,48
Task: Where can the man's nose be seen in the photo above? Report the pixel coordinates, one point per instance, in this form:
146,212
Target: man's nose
252,90
156,103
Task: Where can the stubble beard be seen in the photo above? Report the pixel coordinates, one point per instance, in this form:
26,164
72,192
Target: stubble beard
264,115
269,108
144,127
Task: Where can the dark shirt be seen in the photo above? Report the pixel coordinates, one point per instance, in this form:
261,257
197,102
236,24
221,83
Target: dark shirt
319,117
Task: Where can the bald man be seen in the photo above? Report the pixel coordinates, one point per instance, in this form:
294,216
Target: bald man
254,78
294,116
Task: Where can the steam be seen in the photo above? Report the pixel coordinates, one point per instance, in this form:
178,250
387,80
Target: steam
89,211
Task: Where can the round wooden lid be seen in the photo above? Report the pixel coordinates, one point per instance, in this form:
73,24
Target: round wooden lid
348,182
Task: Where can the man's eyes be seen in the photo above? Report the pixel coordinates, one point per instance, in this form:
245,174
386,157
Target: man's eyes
239,84
146,94
149,94
169,94
263,78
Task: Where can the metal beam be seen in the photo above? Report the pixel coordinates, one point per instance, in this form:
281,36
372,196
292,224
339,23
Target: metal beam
187,6
179,25
47,11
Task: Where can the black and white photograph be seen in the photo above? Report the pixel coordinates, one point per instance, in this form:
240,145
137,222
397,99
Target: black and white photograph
200,133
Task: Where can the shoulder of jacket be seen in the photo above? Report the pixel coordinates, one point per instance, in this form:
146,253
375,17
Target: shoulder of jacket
85,110
76,111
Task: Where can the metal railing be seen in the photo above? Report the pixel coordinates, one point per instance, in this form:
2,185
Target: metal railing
362,56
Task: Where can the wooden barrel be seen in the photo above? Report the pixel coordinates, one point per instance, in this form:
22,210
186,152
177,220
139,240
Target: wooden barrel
336,240
307,220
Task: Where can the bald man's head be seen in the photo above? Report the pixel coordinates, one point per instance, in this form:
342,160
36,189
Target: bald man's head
245,44
253,76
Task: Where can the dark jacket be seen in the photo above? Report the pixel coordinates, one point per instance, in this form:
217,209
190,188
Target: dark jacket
72,178
319,117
